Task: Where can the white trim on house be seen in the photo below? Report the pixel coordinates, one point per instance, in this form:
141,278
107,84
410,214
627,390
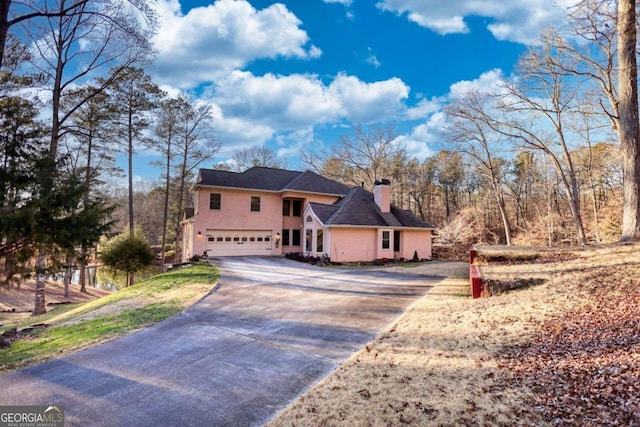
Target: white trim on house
314,225
238,242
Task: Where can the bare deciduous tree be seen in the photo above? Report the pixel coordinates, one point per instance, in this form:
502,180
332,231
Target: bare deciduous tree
472,135
246,158
196,143
421,180
535,108
629,128
366,155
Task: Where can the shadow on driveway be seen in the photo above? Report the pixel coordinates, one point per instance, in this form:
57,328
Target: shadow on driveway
271,330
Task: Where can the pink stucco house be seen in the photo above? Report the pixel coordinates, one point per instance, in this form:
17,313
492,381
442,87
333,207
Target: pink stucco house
265,211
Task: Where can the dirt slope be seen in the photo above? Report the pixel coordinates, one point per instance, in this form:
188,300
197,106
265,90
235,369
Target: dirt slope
21,299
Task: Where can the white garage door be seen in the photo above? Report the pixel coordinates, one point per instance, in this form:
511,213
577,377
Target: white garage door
238,242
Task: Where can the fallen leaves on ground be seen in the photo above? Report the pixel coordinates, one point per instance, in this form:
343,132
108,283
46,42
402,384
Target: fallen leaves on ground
584,366
563,351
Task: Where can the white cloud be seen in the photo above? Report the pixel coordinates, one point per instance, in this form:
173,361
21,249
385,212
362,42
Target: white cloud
284,110
254,110
366,102
488,82
346,3
372,59
236,132
299,101
290,145
423,108
514,20
425,137
290,101
207,41
419,142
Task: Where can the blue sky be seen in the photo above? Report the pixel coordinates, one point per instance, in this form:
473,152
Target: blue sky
296,74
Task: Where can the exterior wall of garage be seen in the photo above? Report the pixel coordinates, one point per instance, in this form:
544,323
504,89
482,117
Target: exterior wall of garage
235,214
353,244
187,240
344,244
416,241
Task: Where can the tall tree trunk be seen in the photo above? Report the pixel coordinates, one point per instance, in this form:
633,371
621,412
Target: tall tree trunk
83,269
596,216
40,306
549,217
5,5
628,111
130,166
503,214
181,203
446,203
130,279
165,215
67,275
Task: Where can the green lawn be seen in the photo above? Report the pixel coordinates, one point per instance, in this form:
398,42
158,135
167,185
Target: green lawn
73,327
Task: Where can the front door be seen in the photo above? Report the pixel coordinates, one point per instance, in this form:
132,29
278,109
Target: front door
396,240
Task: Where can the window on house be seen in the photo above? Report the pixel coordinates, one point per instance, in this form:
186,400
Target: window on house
215,201
286,207
319,241
297,207
386,239
295,237
255,204
308,244
285,238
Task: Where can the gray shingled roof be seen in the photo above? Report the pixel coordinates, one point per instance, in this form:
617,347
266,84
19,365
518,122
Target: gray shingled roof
358,208
270,179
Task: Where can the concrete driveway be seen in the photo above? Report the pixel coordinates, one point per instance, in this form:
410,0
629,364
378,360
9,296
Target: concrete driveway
271,330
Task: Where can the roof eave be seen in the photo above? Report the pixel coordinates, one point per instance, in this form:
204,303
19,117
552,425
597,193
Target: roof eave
378,226
281,191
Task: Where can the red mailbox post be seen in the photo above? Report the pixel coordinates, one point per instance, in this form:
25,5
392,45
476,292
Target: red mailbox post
475,281
473,252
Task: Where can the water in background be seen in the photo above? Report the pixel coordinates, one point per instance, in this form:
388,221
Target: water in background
100,277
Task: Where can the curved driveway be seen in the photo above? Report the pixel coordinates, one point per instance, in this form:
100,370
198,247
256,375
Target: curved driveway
270,330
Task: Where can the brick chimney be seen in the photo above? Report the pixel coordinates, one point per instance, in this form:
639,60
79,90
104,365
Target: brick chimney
382,195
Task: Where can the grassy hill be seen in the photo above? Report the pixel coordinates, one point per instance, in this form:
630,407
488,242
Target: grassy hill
73,326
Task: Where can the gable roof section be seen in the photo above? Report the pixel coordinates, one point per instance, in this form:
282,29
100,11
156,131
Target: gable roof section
270,179
255,178
358,208
311,182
